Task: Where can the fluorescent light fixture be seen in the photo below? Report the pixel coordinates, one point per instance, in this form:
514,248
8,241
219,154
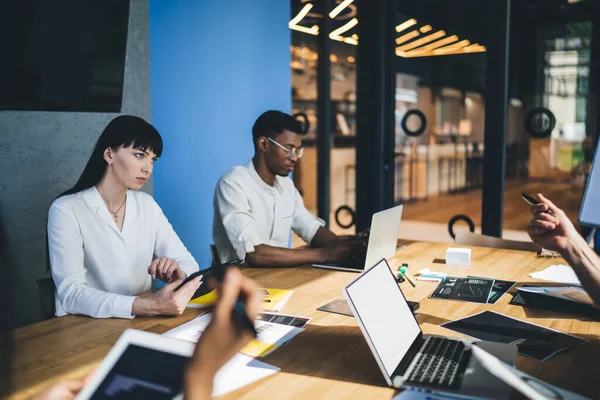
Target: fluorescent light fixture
406,24
406,37
334,13
422,41
425,29
293,24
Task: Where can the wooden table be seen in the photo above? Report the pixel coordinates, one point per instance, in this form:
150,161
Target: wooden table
330,359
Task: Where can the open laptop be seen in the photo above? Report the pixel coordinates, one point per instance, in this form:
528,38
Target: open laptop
383,238
409,359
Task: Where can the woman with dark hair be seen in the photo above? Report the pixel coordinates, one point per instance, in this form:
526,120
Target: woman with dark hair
107,240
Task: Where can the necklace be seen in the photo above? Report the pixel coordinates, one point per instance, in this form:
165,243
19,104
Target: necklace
114,213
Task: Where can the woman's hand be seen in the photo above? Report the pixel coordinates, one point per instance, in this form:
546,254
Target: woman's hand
166,301
165,269
222,339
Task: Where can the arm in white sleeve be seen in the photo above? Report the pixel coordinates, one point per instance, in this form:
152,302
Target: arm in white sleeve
65,245
304,224
238,221
169,245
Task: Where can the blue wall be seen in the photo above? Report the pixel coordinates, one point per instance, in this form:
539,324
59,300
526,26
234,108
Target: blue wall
215,66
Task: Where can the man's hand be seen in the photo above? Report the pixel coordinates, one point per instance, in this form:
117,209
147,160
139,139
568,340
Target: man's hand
551,231
340,249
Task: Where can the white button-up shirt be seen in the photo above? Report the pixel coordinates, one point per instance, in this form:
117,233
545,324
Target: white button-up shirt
249,212
98,269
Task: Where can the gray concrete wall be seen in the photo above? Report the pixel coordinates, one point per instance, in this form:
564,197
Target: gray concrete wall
43,153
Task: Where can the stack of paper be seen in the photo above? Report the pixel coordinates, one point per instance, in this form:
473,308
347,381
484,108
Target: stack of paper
571,293
270,335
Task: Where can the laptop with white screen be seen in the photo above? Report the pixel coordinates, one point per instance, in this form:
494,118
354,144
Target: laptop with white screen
409,359
383,239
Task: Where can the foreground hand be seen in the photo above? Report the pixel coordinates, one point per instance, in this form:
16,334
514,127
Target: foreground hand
64,390
223,338
165,269
166,301
551,231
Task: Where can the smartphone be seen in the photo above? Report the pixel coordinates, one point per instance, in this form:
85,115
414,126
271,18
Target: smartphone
189,278
530,200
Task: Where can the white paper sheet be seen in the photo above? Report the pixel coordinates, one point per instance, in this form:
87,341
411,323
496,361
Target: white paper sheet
558,273
240,371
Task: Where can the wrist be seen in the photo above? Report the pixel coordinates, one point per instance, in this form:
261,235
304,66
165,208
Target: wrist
198,382
145,306
572,248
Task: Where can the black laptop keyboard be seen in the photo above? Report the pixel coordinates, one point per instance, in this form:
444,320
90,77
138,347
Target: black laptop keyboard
441,363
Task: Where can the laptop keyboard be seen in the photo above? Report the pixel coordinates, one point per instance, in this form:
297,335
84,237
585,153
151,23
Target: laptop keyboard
441,363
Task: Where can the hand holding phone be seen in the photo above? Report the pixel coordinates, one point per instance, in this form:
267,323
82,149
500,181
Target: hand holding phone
533,202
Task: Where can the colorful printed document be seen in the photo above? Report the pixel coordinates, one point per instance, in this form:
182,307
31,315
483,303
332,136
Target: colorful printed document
270,335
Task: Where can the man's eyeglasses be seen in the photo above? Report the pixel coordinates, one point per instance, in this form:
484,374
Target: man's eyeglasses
298,152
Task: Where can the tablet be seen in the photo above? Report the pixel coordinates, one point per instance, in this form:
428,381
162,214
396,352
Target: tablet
141,365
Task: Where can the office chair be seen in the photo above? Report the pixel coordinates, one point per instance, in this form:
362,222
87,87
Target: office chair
45,291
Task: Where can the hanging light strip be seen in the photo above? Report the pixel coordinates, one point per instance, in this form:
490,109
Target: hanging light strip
340,7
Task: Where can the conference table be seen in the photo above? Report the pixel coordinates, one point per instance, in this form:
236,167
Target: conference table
330,359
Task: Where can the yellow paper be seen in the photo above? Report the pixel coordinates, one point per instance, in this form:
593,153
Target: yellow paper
256,348
206,300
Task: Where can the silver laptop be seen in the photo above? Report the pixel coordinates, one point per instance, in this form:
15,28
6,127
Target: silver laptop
383,238
409,359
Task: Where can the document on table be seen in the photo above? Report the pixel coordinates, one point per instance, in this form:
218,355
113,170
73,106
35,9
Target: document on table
571,293
558,273
270,335
238,372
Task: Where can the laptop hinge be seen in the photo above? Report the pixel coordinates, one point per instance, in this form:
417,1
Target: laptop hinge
409,356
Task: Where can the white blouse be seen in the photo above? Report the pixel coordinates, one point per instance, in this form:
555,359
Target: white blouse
97,269
249,212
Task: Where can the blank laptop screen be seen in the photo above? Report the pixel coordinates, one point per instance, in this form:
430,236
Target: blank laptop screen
385,315
590,212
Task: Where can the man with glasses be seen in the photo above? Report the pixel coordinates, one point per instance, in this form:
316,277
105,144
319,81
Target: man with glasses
256,205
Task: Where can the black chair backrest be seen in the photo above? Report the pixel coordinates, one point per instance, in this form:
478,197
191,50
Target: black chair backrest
45,290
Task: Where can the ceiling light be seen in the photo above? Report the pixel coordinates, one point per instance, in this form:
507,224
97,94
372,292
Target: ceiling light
406,37
440,43
423,40
293,24
425,29
334,13
406,24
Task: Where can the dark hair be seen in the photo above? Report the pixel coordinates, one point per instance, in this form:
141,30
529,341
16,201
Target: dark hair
271,123
124,130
